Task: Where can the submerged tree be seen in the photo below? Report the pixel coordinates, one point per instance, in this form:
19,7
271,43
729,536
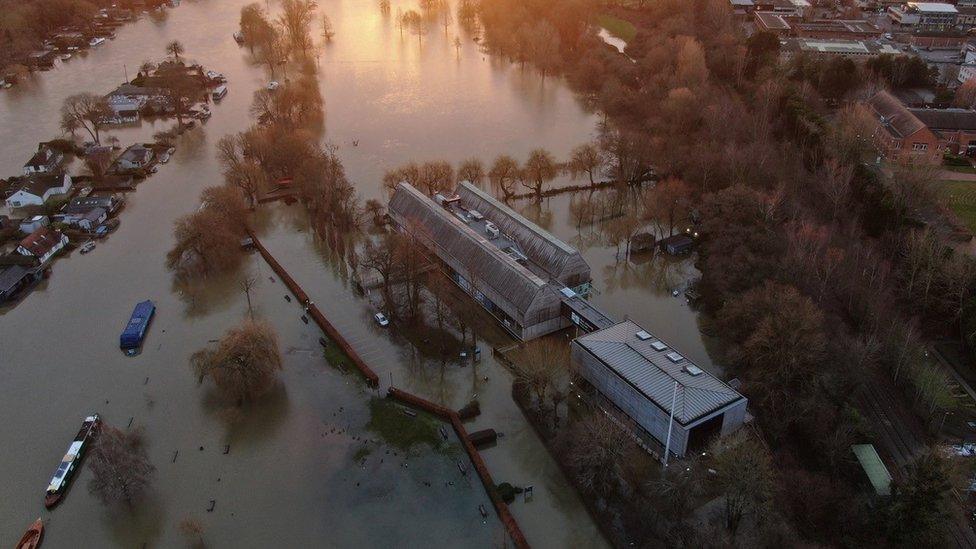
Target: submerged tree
745,476
121,472
585,160
504,175
327,31
208,240
539,169
175,48
245,363
85,111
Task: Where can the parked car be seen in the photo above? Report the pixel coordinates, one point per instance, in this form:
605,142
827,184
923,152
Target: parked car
381,319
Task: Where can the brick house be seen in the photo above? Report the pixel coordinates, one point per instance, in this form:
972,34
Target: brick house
956,127
900,135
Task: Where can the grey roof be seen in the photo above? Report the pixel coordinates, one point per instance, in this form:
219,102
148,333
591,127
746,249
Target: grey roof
947,119
11,275
558,259
894,116
438,227
652,373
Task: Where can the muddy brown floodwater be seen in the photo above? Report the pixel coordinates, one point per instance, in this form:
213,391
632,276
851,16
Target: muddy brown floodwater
296,474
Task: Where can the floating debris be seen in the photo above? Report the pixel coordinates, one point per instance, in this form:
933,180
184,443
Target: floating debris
227,449
305,319
482,510
176,453
409,412
288,298
462,468
213,503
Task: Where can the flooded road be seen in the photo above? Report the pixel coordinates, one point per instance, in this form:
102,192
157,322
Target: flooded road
296,473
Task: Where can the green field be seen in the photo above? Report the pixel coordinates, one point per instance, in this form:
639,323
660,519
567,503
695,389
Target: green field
962,200
625,30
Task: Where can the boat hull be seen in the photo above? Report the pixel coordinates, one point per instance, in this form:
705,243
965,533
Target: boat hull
32,537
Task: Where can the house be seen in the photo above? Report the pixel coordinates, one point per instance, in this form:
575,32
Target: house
653,391
45,160
83,204
135,157
678,244
15,277
955,127
32,224
43,244
513,268
88,220
35,189
900,135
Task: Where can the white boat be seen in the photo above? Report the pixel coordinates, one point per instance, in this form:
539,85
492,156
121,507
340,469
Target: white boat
97,41
273,85
65,57
219,93
171,150
87,247
164,158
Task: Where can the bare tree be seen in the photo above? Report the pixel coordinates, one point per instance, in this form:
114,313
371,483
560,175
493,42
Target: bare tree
296,20
504,175
207,243
121,472
539,169
327,30
415,22
543,365
471,170
457,46
585,159
175,48
98,162
745,476
248,283
245,363
594,448
85,111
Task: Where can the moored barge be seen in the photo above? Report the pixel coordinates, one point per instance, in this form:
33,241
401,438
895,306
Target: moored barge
135,331
72,459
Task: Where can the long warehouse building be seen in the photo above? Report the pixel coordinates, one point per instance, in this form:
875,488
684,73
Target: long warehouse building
516,270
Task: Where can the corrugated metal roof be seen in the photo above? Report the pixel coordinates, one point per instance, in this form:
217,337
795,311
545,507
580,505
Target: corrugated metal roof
560,260
654,374
486,262
875,469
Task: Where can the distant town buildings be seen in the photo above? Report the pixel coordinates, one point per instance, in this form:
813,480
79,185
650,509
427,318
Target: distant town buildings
924,16
856,49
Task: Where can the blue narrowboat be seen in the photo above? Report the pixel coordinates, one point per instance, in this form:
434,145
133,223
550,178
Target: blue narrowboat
135,330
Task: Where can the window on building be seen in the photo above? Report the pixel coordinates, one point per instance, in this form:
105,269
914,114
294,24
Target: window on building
920,146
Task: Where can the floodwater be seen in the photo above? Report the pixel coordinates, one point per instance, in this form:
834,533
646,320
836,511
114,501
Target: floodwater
293,475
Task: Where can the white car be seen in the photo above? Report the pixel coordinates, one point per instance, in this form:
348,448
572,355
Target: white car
381,319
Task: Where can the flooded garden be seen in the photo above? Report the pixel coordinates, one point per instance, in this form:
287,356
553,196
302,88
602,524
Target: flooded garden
323,458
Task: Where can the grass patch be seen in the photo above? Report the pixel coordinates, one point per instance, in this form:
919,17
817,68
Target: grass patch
959,169
386,418
334,356
623,29
962,200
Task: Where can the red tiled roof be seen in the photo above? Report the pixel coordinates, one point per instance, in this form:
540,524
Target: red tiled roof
40,242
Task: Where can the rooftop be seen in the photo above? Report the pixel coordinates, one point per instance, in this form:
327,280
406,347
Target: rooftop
933,7
652,367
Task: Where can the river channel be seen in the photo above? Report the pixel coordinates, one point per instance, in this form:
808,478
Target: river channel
294,472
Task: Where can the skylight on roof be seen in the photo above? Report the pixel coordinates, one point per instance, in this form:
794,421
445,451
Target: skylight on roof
643,335
659,346
674,357
693,370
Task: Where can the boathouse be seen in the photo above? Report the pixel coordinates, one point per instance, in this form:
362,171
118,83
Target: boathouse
509,265
640,381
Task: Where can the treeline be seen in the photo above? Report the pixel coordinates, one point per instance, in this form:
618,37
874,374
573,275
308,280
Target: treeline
823,277
25,24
